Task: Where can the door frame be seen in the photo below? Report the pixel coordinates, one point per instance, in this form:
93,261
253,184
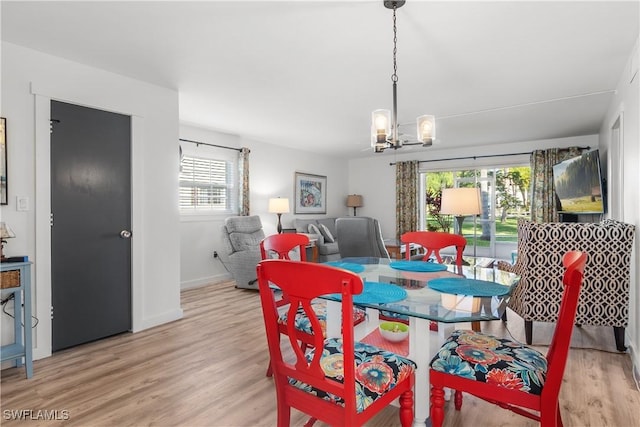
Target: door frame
43,94
615,167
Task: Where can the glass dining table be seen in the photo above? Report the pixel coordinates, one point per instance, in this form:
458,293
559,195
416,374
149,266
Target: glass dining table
479,294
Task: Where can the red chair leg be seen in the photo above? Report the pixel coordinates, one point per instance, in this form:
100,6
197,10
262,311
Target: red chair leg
406,408
284,413
457,400
558,418
310,422
269,370
437,403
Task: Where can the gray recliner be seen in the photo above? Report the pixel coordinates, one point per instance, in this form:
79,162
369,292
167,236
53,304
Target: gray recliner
360,236
241,236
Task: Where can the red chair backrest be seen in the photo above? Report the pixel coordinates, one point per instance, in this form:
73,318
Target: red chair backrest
574,262
433,241
300,284
284,243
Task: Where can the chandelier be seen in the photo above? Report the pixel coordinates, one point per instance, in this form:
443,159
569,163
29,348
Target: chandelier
384,123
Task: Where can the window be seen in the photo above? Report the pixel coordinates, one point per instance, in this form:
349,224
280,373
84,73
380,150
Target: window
505,198
207,184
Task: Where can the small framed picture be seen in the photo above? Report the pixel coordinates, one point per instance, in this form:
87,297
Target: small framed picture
310,194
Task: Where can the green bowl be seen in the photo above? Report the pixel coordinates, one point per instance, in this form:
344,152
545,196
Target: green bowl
394,331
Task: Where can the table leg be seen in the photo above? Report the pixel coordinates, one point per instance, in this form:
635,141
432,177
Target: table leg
419,352
18,330
334,319
28,344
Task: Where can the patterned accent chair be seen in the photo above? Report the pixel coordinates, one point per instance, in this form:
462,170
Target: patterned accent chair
241,237
604,300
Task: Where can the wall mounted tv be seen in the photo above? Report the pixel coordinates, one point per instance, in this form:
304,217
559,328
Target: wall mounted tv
578,184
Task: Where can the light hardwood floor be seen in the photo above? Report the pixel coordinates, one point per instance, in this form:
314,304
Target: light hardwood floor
208,368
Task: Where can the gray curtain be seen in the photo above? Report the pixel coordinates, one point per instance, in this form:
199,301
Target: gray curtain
406,197
543,196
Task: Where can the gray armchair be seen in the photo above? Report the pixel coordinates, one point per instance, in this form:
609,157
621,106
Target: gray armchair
241,236
360,236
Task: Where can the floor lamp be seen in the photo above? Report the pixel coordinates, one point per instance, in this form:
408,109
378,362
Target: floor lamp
279,206
461,202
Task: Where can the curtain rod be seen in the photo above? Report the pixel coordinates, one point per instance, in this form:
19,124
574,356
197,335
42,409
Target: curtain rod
479,157
210,145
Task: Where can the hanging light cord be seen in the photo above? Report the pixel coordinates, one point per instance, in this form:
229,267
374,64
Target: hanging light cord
394,76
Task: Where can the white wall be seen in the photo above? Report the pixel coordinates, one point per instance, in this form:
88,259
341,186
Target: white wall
626,103
30,79
272,171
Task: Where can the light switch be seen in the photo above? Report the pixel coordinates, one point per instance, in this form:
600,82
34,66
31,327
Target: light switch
22,203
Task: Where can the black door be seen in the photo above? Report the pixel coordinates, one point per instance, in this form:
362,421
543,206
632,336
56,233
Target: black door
91,221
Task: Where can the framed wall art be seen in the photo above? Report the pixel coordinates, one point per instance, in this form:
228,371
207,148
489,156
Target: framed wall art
310,194
4,200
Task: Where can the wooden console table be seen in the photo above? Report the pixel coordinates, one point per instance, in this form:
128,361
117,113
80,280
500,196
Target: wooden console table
16,280
314,250
396,248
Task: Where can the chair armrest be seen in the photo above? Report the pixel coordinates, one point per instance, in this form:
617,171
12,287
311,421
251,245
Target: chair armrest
505,266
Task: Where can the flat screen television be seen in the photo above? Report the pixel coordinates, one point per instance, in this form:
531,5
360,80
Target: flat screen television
578,184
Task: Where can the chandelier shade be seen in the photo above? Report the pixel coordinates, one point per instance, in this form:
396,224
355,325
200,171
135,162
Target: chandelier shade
426,130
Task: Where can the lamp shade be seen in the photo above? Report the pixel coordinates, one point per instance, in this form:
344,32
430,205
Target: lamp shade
461,201
279,205
354,201
5,231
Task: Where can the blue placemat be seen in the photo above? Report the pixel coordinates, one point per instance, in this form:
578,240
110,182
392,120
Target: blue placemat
421,266
355,268
472,287
377,293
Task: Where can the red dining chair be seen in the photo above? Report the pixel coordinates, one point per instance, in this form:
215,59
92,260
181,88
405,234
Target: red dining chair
339,381
506,373
432,242
281,245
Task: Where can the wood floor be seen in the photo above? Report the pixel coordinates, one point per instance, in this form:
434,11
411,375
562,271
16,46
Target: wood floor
208,368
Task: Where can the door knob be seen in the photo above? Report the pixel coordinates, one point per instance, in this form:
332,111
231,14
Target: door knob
125,234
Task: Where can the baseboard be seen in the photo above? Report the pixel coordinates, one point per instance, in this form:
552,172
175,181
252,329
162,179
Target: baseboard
635,364
166,317
196,283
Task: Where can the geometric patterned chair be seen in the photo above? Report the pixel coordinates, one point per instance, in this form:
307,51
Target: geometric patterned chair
507,373
604,299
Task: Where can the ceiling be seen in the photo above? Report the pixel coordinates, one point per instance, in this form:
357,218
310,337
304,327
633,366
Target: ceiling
308,74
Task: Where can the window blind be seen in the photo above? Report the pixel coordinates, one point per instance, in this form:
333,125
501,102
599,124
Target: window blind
207,184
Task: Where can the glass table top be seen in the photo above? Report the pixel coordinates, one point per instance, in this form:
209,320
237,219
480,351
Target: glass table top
423,302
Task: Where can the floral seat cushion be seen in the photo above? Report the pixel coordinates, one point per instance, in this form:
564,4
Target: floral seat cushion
377,371
303,324
485,358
